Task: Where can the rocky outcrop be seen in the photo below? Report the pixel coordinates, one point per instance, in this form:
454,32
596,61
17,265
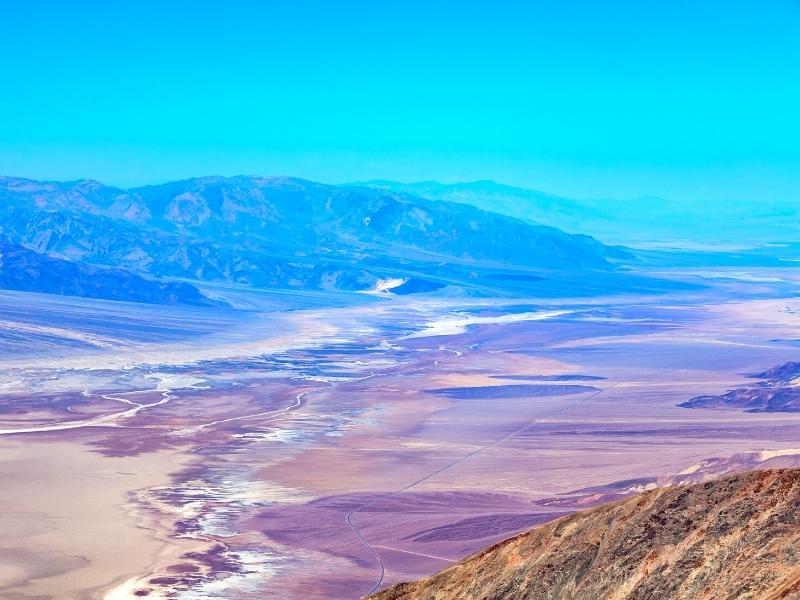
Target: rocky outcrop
737,537
777,392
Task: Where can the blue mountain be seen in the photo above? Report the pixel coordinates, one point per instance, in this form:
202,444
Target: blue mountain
25,270
289,233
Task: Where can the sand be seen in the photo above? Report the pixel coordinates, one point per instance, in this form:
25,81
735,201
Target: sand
66,530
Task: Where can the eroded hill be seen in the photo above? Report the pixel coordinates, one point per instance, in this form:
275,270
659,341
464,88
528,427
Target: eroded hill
737,537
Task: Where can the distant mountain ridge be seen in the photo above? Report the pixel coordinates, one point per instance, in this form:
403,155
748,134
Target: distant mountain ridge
282,232
645,222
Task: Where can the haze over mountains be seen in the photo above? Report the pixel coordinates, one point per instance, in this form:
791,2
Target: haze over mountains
286,233
641,222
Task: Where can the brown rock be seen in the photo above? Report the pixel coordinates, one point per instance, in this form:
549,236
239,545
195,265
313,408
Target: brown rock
733,538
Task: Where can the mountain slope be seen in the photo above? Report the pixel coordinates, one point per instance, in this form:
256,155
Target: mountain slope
737,537
281,232
24,270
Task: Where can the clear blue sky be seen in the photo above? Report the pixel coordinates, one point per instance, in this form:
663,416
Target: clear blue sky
694,99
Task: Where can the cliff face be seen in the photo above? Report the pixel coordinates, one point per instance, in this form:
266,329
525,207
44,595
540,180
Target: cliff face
737,537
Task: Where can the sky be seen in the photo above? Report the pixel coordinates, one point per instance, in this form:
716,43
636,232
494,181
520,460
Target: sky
694,100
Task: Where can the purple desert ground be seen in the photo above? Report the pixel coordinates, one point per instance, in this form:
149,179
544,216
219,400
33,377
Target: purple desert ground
306,453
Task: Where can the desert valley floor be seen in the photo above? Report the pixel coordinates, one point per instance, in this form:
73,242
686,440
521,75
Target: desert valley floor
309,446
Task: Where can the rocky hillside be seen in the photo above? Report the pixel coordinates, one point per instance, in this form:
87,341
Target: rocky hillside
24,270
736,538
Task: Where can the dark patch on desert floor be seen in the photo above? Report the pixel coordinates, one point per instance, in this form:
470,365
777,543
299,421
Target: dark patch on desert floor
511,391
481,527
563,377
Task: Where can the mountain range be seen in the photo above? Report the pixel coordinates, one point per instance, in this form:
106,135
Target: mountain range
277,232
